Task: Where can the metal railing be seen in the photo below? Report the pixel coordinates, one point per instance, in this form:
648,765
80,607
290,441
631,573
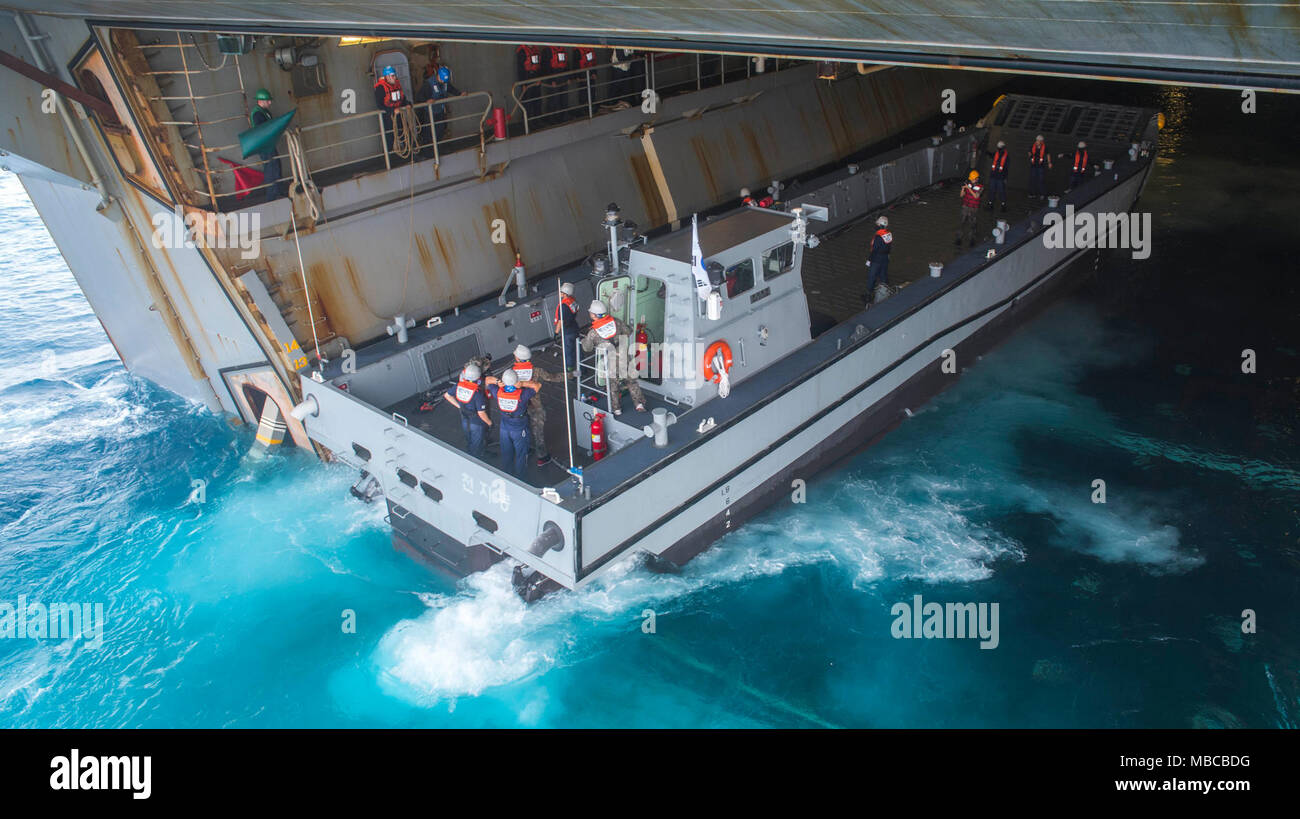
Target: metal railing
545,101
369,126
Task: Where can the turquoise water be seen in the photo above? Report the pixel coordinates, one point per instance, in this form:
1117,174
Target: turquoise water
229,611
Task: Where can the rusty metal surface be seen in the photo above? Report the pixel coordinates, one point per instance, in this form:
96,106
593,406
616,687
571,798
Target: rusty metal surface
425,257
1214,36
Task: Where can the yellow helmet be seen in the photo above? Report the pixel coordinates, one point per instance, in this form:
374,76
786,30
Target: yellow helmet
973,175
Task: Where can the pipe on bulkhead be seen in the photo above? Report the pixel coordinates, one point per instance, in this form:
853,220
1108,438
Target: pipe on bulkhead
31,37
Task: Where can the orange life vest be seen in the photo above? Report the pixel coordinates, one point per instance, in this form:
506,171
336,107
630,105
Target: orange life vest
532,58
606,327
586,57
523,369
508,398
393,97
566,301
1000,160
1080,161
465,390
1038,153
886,238
970,194
559,59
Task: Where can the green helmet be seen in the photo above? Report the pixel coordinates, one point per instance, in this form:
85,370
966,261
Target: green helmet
263,94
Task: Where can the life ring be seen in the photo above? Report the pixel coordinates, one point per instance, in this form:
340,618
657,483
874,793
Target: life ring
711,353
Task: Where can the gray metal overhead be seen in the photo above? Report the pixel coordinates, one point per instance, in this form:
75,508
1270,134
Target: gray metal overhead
1250,44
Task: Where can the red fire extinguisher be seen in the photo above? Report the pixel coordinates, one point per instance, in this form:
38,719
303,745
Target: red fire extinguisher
642,350
598,437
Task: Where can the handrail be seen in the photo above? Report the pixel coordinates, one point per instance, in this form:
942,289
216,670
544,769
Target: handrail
378,130
654,77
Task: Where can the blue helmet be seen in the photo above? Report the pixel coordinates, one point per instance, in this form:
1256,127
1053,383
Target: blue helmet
389,71
444,74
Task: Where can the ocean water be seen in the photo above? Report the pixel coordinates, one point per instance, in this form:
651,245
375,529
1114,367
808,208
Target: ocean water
229,611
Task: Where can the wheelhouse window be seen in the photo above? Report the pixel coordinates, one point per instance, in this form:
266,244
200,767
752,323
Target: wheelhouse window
740,278
778,260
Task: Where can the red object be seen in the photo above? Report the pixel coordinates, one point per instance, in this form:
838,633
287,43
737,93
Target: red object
532,58
245,177
499,122
970,194
598,437
642,351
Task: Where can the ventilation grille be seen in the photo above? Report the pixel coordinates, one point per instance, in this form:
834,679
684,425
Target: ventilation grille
441,362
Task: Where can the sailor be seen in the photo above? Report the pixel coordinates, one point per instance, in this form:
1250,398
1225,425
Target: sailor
998,176
878,261
512,397
565,325
1040,161
261,114
467,396
528,68
526,371
607,331
389,97
746,199
970,209
1079,168
438,87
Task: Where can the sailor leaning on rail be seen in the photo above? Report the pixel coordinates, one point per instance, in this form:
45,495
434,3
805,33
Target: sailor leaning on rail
467,395
527,371
512,396
619,369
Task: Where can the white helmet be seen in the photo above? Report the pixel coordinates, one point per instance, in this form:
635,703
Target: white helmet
510,378
597,308
567,288
523,353
1038,138
1083,144
744,192
472,372
1001,144
883,221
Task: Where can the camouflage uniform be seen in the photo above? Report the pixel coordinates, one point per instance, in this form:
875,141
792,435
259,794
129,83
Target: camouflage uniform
537,412
630,381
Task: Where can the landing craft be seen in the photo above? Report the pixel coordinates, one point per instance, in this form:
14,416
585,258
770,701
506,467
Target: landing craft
702,459
378,273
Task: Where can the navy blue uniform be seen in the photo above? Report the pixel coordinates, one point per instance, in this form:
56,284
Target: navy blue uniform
434,89
566,315
881,244
270,165
998,178
513,407
468,395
